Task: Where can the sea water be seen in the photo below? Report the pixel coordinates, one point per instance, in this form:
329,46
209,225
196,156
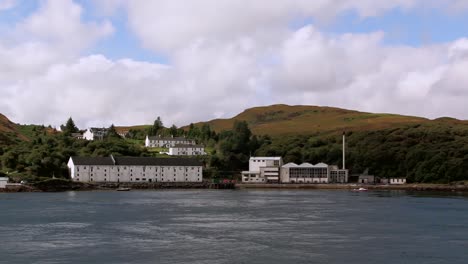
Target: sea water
233,226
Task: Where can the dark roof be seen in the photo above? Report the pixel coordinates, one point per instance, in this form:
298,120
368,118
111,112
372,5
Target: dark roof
188,146
170,138
135,161
148,161
98,130
92,161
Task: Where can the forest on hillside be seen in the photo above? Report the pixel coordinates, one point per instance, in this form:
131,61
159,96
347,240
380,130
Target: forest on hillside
427,153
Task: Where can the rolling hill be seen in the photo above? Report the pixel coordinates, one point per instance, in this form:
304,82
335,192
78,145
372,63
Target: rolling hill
275,120
9,131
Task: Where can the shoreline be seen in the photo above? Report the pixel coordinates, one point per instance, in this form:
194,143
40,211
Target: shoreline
404,187
111,186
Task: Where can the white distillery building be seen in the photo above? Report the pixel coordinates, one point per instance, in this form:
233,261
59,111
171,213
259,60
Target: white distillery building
135,169
3,182
167,142
338,175
95,133
263,170
397,180
305,173
186,150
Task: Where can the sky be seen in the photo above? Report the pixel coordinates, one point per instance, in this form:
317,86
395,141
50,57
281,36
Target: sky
127,62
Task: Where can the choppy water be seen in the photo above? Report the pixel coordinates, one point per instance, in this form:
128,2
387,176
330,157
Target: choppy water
233,227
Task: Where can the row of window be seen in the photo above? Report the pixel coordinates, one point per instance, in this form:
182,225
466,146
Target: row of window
142,179
131,170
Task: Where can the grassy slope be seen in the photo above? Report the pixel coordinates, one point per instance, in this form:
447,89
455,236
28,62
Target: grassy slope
9,131
277,120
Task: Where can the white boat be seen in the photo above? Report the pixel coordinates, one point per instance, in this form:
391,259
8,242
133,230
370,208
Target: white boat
360,190
122,189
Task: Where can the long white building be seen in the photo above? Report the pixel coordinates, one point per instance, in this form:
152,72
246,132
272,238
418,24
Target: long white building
305,173
263,170
186,150
135,169
167,142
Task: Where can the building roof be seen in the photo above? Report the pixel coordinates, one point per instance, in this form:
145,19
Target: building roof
290,164
136,161
321,165
266,158
148,161
92,160
98,130
306,165
169,138
187,146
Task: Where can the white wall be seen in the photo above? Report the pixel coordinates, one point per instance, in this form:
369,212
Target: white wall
186,151
86,173
88,135
3,182
397,180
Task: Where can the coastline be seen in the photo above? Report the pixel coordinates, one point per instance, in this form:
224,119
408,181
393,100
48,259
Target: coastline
110,186
407,187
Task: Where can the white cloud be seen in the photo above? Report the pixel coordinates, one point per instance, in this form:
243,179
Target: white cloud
224,56
7,4
59,23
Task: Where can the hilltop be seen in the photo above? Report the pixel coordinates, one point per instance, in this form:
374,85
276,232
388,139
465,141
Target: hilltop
283,119
9,131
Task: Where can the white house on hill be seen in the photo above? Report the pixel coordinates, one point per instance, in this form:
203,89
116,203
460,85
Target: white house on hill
187,150
135,169
167,142
95,133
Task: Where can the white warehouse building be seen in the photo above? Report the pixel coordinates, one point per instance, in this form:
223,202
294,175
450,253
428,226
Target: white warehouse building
166,142
135,169
263,170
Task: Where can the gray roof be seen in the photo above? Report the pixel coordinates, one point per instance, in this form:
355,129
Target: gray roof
188,146
92,160
98,129
136,161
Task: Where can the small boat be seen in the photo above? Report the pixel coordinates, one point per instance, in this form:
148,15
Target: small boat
122,189
360,190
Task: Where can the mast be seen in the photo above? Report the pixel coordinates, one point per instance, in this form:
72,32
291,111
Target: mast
344,150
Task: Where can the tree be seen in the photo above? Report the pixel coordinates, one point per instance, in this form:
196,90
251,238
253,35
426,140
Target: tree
69,127
157,125
112,132
173,130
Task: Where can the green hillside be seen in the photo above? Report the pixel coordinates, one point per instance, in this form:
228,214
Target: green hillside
299,119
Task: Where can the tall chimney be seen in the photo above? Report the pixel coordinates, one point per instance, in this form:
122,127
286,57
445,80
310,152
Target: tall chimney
344,150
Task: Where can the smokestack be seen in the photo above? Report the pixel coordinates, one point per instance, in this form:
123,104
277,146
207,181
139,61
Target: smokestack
344,150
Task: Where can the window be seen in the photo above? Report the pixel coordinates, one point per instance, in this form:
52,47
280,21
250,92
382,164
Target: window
137,179
91,179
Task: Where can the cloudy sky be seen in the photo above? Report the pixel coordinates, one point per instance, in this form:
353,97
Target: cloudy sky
127,62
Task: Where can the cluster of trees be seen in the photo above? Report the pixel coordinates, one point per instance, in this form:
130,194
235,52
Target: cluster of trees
433,152
430,153
46,153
